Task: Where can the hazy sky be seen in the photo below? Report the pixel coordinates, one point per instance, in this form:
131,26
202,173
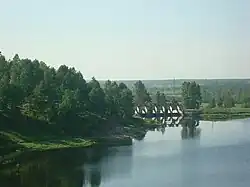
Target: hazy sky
131,39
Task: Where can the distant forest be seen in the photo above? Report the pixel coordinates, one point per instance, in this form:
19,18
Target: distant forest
214,92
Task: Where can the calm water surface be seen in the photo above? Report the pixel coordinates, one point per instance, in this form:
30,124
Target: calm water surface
217,155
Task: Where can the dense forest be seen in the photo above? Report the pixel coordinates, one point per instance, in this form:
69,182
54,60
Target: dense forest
66,102
63,99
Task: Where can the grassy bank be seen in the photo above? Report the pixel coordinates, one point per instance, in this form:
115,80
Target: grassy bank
15,141
37,139
212,117
224,113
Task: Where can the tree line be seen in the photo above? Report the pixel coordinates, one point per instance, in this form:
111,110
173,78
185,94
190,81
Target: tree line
62,97
227,95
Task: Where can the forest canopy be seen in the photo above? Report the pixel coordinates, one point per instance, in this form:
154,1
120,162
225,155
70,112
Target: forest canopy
30,88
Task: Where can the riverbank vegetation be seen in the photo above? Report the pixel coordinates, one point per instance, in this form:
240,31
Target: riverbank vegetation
218,98
45,108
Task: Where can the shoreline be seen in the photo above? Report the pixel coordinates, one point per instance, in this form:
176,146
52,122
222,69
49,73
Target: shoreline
14,142
219,113
212,117
17,148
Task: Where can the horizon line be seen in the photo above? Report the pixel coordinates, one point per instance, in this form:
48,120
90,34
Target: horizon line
171,79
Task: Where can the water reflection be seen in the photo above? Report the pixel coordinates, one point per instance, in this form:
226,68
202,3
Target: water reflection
42,169
92,177
78,167
117,164
190,127
84,167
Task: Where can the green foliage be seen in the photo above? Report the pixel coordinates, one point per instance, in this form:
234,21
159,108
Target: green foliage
220,102
212,103
62,97
228,100
227,92
67,104
191,95
246,102
119,100
158,97
142,96
219,113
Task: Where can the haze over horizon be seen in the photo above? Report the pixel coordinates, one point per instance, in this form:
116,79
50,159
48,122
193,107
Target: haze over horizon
128,40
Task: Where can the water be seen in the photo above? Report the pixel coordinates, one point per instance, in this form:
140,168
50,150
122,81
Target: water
213,154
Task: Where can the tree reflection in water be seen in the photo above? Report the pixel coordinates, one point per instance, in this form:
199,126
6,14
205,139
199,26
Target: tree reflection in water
49,169
66,168
95,179
190,129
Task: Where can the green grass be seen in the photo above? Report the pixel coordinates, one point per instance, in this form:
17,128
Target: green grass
21,138
16,140
222,113
234,110
219,113
219,117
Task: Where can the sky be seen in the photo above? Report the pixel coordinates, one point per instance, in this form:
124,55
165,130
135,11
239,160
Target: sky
131,39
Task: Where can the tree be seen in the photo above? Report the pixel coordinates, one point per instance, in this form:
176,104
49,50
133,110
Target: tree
185,94
220,102
126,102
162,99
119,100
141,94
96,98
246,102
191,94
111,90
240,96
4,96
228,100
212,103
158,98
